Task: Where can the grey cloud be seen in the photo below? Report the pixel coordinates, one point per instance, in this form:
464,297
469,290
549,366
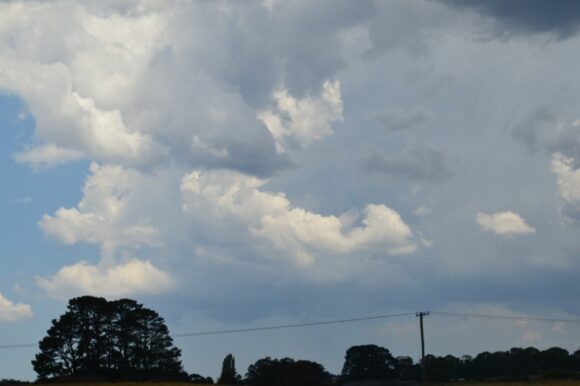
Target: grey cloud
397,120
530,129
542,130
201,119
191,102
296,43
570,212
388,30
308,41
198,97
419,160
559,17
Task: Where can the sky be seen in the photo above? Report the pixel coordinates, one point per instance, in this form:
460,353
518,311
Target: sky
233,164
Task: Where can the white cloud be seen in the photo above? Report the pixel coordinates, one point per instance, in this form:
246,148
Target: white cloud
303,121
292,230
84,82
504,223
568,185
10,311
104,215
47,155
73,125
130,278
119,212
138,86
220,215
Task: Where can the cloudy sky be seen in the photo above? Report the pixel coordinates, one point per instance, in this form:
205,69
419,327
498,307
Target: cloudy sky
234,164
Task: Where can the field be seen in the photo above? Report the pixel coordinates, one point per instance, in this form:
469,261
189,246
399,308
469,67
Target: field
130,384
531,383
535,383
134,384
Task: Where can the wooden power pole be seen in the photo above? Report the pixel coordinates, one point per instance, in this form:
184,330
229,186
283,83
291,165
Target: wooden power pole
423,364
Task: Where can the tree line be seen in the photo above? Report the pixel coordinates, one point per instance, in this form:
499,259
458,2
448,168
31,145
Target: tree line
121,340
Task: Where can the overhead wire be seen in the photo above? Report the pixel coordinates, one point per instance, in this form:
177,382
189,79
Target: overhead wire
507,317
254,329
285,326
340,321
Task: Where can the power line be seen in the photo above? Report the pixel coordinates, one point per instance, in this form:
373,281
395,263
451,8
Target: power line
506,317
253,329
338,321
284,326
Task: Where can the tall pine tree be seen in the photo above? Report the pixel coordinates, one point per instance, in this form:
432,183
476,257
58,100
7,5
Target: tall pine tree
229,375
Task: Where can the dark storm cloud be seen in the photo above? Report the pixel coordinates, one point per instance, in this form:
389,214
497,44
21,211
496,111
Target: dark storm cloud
420,160
559,17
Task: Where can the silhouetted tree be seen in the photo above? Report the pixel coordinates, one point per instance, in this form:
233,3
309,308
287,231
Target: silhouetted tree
287,372
368,362
199,379
114,340
575,359
515,364
406,369
555,359
229,375
443,369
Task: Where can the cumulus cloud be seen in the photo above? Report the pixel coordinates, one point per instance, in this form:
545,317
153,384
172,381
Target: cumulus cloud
96,93
137,85
136,89
291,230
504,223
130,278
213,215
71,124
301,122
419,160
10,311
118,213
192,139
543,130
105,216
568,185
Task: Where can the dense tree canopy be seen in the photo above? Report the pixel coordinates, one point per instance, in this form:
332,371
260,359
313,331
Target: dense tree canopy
372,362
116,340
368,362
514,364
287,372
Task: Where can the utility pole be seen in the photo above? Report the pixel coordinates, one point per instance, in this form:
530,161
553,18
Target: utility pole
423,364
